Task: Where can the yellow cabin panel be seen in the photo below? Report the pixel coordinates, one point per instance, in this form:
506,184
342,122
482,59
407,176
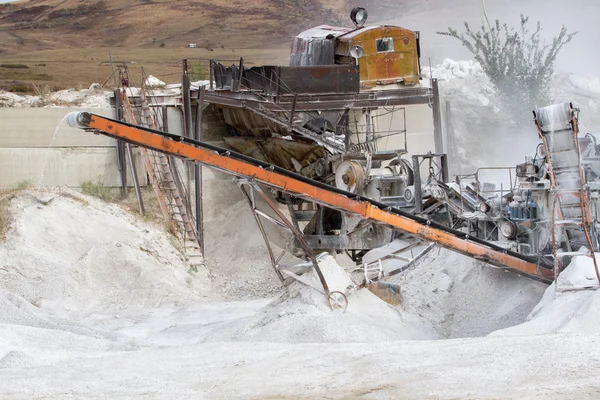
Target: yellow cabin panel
389,54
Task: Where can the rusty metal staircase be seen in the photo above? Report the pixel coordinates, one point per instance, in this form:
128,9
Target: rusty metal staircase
571,220
167,186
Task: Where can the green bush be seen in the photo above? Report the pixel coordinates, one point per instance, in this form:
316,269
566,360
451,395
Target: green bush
14,66
97,189
4,220
198,71
6,195
22,185
518,63
20,88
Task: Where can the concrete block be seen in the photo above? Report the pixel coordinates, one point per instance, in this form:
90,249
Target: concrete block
64,166
35,128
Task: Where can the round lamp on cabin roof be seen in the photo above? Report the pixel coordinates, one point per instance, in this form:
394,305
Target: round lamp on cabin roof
359,15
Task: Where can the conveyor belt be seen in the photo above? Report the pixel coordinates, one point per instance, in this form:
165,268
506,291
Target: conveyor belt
300,186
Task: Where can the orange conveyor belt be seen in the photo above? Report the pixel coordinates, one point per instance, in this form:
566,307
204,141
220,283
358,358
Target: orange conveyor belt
275,177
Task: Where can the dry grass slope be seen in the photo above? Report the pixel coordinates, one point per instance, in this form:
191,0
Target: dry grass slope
64,42
6,195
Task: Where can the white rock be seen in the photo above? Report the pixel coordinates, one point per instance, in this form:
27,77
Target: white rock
459,73
483,100
154,81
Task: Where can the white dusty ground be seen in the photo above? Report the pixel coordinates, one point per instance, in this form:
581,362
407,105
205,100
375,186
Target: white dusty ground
95,303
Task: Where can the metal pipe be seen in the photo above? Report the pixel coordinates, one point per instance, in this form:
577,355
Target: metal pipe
136,185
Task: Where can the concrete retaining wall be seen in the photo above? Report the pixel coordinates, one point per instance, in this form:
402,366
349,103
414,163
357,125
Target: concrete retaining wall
34,142
30,147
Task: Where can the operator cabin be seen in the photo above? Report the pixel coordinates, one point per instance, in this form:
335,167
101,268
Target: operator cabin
385,54
389,59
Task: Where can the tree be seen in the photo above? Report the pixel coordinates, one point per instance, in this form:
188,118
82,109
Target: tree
518,63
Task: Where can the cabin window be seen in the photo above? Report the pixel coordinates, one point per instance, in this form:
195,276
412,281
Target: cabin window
385,45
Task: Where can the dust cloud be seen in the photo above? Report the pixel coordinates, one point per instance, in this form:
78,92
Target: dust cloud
431,16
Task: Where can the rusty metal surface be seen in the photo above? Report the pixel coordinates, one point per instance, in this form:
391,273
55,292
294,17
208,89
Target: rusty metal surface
289,80
319,79
251,123
278,151
325,45
254,78
401,63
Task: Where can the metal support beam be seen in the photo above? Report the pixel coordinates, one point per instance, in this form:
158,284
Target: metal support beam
187,102
199,211
136,184
211,73
297,233
187,119
274,262
121,155
236,81
437,118
341,128
444,166
293,110
417,185
165,119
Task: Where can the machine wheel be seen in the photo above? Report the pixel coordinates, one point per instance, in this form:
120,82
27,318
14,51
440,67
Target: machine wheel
540,151
403,168
350,176
509,230
337,301
409,194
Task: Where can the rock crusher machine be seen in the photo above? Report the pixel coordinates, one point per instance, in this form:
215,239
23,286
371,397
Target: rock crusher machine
257,175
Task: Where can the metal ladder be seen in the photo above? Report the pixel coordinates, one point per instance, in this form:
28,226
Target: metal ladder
571,217
168,188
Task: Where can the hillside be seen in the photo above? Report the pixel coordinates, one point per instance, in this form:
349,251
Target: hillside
63,42
48,24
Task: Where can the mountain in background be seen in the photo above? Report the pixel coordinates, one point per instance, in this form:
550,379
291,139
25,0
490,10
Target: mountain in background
49,24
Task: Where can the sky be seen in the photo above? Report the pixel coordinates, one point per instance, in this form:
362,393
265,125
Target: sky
581,56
